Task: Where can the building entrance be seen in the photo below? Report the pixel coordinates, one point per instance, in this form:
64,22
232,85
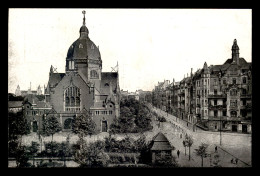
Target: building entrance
244,128
104,126
234,128
35,126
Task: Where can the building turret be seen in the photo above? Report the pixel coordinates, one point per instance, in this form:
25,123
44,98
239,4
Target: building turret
235,52
18,91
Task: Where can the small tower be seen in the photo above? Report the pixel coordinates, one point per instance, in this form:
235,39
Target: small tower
18,91
51,71
84,30
39,90
235,52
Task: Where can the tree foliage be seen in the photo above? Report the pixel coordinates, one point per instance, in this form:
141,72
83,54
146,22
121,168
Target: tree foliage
17,125
202,152
91,155
51,126
134,117
83,125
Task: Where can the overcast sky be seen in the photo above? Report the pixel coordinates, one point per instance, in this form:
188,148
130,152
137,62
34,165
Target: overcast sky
150,45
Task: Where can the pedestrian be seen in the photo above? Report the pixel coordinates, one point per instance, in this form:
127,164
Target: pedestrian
178,153
236,160
232,161
216,149
181,135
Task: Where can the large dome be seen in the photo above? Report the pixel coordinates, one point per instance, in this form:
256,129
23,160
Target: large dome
83,48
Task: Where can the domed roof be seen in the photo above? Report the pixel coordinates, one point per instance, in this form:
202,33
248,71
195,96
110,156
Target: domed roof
83,29
83,48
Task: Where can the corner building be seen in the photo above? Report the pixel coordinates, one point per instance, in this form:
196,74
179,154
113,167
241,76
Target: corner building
83,88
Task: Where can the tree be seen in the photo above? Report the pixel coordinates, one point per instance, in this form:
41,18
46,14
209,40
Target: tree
17,126
65,150
50,127
21,157
83,125
33,149
188,143
202,152
91,155
185,145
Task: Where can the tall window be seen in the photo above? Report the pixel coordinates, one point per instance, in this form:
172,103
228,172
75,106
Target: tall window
215,91
215,82
215,113
72,99
233,114
93,74
233,92
244,91
244,80
234,80
71,65
233,103
224,81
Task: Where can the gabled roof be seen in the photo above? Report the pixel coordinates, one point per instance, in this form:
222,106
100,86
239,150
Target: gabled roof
109,78
55,78
160,142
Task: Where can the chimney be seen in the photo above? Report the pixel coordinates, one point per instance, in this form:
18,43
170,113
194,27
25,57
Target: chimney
191,72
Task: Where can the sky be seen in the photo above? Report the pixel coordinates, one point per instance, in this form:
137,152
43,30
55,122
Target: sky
150,45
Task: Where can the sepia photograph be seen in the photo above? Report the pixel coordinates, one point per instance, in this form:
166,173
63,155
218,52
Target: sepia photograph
129,88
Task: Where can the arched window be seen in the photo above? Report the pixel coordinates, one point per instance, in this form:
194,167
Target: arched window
72,99
67,101
80,45
77,101
233,114
233,92
93,74
72,102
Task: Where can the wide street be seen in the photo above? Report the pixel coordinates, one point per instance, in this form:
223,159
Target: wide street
238,147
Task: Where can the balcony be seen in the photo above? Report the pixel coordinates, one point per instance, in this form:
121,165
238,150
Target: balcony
245,96
224,118
217,96
181,94
216,107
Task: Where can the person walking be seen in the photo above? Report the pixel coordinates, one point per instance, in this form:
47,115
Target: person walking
216,149
236,160
178,153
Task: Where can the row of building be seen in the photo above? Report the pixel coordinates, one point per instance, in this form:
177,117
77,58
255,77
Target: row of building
215,97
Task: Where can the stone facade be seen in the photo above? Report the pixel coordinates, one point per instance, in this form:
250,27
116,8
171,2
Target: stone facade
83,89
217,97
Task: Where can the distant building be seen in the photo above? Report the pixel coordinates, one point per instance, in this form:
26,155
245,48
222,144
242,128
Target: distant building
23,93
